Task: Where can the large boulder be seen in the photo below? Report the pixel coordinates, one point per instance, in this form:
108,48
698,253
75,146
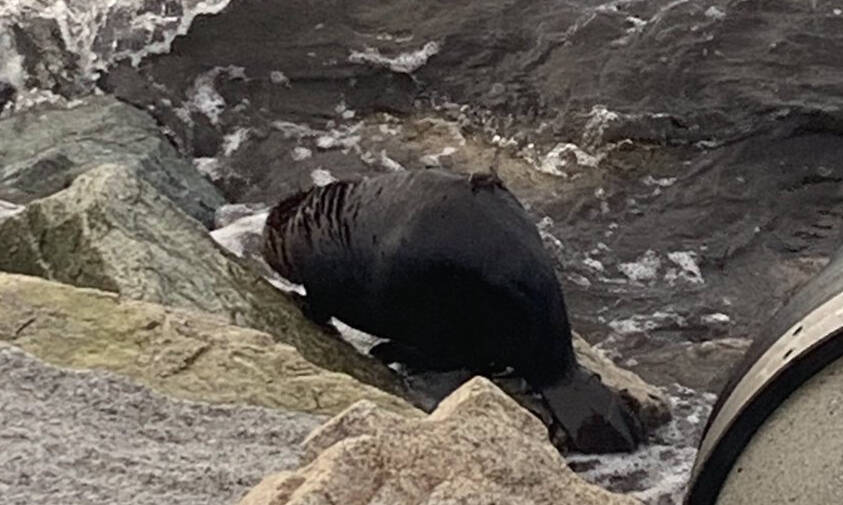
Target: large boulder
43,151
92,436
477,447
112,230
186,354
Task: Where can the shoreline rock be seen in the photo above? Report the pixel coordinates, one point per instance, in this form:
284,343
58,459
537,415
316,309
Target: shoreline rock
45,149
478,446
183,353
113,231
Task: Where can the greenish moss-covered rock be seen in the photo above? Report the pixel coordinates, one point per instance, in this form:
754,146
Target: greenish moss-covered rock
113,231
183,353
43,151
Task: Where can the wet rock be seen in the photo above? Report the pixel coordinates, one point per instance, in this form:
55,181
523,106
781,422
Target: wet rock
647,402
698,365
186,354
48,63
43,151
271,168
7,94
113,231
478,446
299,68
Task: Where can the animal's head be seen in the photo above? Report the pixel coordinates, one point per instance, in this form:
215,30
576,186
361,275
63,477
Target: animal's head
275,250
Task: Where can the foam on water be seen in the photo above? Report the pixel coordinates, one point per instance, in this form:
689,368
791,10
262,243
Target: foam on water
405,63
232,141
658,472
645,268
103,31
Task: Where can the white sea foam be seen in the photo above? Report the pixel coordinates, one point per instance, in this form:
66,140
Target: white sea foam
209,167
666,460
11,63
663,182
405,63
642,323
233,141
687,262
203,97
644,269
231,236
561,157
300,153
599,119
98,30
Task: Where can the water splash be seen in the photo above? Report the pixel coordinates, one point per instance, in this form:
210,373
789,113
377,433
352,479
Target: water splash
100,32
657,473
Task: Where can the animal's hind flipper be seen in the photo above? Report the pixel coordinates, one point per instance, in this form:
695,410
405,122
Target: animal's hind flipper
595,418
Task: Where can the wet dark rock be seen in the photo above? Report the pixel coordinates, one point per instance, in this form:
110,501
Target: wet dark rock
296,67
266,170
46,59
7,94
44,150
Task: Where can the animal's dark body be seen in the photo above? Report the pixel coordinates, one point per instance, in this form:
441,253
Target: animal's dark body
451,270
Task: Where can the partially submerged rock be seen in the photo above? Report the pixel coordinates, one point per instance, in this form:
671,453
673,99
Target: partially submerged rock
113,231
646,401
186,354
43,151
477,447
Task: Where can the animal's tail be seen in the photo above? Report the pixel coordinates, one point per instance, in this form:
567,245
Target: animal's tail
595,418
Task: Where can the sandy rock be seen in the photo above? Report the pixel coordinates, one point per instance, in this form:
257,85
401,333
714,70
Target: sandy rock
111,230
42,152
92,436
477,447
183,353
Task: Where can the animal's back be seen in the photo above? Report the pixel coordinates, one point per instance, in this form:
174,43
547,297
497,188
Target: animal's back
451,268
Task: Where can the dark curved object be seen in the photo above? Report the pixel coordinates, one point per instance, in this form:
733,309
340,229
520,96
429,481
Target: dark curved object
804,337
451,269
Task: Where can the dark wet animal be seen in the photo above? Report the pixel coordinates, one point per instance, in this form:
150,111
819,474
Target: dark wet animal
451,269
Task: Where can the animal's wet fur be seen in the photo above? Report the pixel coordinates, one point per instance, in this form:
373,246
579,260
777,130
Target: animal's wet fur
453,271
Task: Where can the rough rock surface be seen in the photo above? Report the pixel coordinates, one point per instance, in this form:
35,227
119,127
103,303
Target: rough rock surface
113,231
44,150
94,437
477,447
183,353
